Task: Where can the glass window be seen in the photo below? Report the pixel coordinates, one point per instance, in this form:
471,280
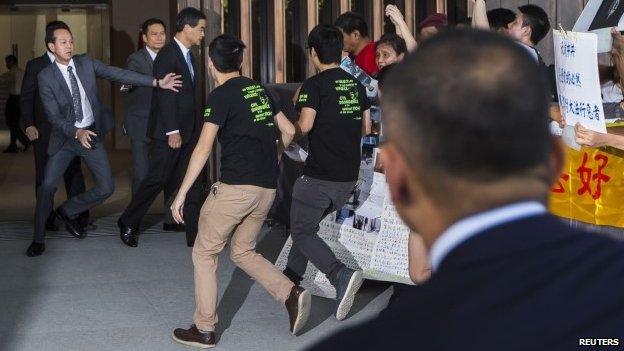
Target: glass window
296,28
261,41
231,17
388,25
328,11
364,8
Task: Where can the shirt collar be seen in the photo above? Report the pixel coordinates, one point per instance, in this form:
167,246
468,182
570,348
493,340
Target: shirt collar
473,225
532,51
64,67
51,56
184,49
151,53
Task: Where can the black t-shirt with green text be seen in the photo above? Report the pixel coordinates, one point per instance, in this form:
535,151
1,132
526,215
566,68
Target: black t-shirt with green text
334,141
244,111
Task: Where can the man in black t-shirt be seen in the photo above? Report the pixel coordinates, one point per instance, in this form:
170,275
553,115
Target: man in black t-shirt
244,116
334,111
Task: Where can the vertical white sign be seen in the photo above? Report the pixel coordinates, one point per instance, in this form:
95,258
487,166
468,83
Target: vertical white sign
578,84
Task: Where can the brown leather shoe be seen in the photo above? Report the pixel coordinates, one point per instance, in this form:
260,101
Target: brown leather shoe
298,307
193,337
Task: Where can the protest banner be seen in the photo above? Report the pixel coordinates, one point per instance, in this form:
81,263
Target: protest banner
598,17
578,84
591,187
366,234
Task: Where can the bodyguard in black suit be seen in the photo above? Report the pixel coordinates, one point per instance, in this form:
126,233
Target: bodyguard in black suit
470,163
138,108
174,127
35,123
79,123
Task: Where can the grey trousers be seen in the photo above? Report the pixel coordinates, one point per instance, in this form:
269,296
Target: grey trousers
140,167
312,200
97,161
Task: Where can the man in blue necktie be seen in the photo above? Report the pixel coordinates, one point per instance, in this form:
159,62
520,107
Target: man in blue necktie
174,128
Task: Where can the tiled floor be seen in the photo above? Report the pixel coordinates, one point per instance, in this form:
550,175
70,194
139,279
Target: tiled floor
97,294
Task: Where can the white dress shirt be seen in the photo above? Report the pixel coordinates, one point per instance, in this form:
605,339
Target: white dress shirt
468,227
151,53
185,51
87,112
51,56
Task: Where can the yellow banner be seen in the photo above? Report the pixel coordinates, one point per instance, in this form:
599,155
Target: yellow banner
591,187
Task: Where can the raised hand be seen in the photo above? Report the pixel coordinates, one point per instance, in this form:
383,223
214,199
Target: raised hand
395,15
171,81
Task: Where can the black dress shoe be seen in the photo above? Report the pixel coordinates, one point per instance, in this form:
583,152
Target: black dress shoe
35,249
129,236
11,149
72,225
174,227
190,243
194,337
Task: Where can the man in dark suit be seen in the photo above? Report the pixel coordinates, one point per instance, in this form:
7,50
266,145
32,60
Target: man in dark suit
35,123
470,164
13,78
79,121
138,108
174,127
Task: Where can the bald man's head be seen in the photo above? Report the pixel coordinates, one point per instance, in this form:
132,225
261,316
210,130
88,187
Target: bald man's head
469,105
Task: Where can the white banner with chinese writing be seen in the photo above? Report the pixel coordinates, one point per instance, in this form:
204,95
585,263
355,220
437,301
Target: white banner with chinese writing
366,234
578,84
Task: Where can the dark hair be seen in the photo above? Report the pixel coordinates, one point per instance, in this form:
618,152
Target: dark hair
351,21
145,26
464,21
326,40
226,53
11,58
487,116
190,16
51,28
394,41
500,18
536,18
382,75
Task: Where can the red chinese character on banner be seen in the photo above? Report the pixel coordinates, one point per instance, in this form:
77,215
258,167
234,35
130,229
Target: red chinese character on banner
560,188
585,173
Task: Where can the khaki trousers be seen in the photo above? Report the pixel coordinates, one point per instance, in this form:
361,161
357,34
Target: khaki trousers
241,210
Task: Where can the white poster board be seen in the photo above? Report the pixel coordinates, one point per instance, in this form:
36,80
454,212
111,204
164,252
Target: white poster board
578,84
598,17
366,234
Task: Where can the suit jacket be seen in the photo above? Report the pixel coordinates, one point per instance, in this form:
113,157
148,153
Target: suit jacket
531,284
57,100
139,99
170,110
32,111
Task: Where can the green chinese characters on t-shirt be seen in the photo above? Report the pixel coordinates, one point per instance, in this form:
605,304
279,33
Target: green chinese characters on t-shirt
259,104
348,98
207,113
